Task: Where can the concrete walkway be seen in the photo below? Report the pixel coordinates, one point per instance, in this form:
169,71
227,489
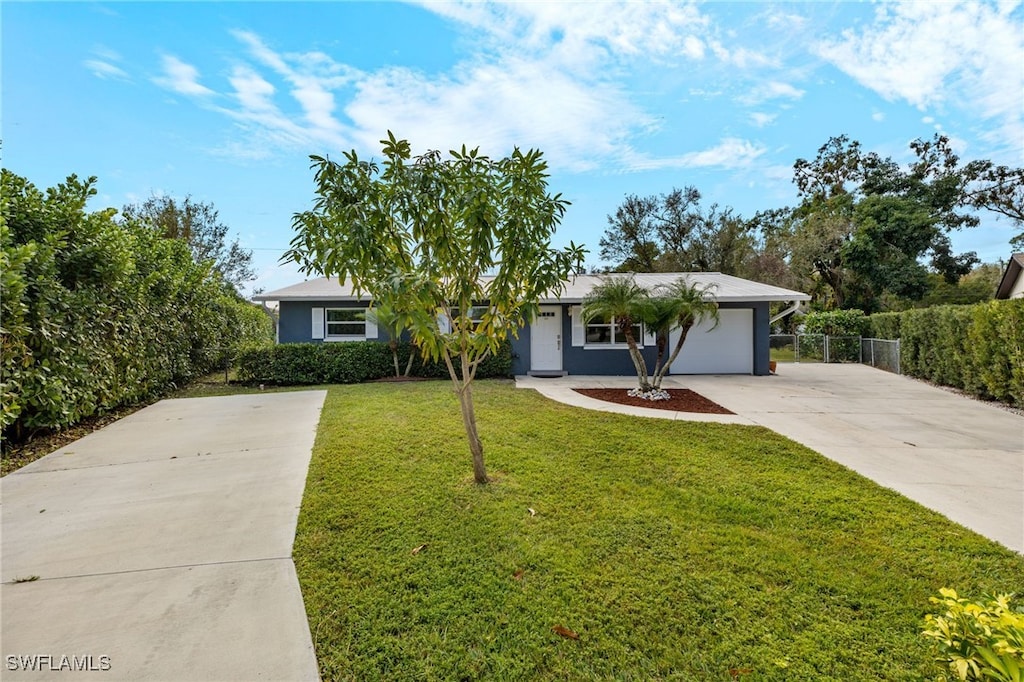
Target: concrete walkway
960,457
162,546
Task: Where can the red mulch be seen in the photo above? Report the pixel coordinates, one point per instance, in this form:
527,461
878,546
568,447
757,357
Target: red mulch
682,400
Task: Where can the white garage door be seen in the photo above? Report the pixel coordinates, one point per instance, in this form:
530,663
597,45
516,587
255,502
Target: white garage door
727,349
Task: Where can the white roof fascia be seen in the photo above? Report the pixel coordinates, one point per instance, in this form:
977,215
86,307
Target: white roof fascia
725,288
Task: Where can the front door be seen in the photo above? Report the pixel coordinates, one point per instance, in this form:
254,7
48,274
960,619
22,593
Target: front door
546,340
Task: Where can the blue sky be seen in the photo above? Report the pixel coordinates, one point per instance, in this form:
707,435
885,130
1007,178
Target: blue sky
225,101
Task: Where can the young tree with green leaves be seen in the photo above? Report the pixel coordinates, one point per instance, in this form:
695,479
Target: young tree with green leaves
461,245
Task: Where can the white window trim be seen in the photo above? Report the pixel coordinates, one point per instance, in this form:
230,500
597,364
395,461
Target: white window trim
613,346
328,337
579,334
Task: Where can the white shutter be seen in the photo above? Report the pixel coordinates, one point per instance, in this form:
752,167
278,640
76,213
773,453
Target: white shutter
371,328
649,337
318,323
444,324
579,334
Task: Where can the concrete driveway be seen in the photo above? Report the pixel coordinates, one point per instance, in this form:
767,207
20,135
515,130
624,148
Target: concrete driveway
960,457
162,546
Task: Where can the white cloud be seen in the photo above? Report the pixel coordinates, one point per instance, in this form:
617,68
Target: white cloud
965,54
769,91
878,116
656,28
102,69
312,77
928,120
761,119
506,105
693,47
181,78
731,153
778,19
543,75
104,64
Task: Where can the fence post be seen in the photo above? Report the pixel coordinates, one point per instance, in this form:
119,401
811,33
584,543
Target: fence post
826,349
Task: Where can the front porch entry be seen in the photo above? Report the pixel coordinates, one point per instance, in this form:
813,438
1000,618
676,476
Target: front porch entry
546,342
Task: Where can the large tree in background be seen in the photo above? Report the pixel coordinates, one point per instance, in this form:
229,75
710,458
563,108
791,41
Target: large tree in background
672,232
865,223
999,189
198,224
421,234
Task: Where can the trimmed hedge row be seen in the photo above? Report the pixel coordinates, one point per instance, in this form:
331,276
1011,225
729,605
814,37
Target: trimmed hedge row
97,313
347,363
977,348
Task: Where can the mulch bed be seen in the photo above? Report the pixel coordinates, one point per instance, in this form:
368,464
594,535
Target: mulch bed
682,400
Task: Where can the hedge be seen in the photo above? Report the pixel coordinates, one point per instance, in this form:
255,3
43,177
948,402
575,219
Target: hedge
977,348
97,314
347,363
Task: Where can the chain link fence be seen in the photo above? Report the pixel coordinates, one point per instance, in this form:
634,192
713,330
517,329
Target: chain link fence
880,353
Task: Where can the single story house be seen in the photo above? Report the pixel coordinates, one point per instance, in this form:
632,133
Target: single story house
1012,283
558,342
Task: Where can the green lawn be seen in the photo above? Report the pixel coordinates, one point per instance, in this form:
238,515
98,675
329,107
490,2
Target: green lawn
674,550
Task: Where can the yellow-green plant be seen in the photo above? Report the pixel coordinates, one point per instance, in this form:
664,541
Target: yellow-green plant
978,640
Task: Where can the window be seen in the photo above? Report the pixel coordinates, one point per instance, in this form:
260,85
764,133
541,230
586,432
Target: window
601,332
346,323
476,313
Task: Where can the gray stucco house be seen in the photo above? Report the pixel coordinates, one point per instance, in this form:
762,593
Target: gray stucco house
557,342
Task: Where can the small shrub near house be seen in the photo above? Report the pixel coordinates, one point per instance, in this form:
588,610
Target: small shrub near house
977,348
347,363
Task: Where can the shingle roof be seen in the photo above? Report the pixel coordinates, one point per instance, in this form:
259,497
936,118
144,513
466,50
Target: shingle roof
725,287
1010,275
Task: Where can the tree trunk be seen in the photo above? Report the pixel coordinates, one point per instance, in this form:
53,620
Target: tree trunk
464,390
638,360
683,331
408,365
662,344
476,448
394,356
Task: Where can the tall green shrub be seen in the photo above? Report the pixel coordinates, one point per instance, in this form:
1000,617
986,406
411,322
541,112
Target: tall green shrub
883,326
96,313
836,322
978,348
997,337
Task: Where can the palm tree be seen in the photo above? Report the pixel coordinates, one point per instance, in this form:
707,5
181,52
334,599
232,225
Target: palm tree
681,305
661,319
621,299
386,316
